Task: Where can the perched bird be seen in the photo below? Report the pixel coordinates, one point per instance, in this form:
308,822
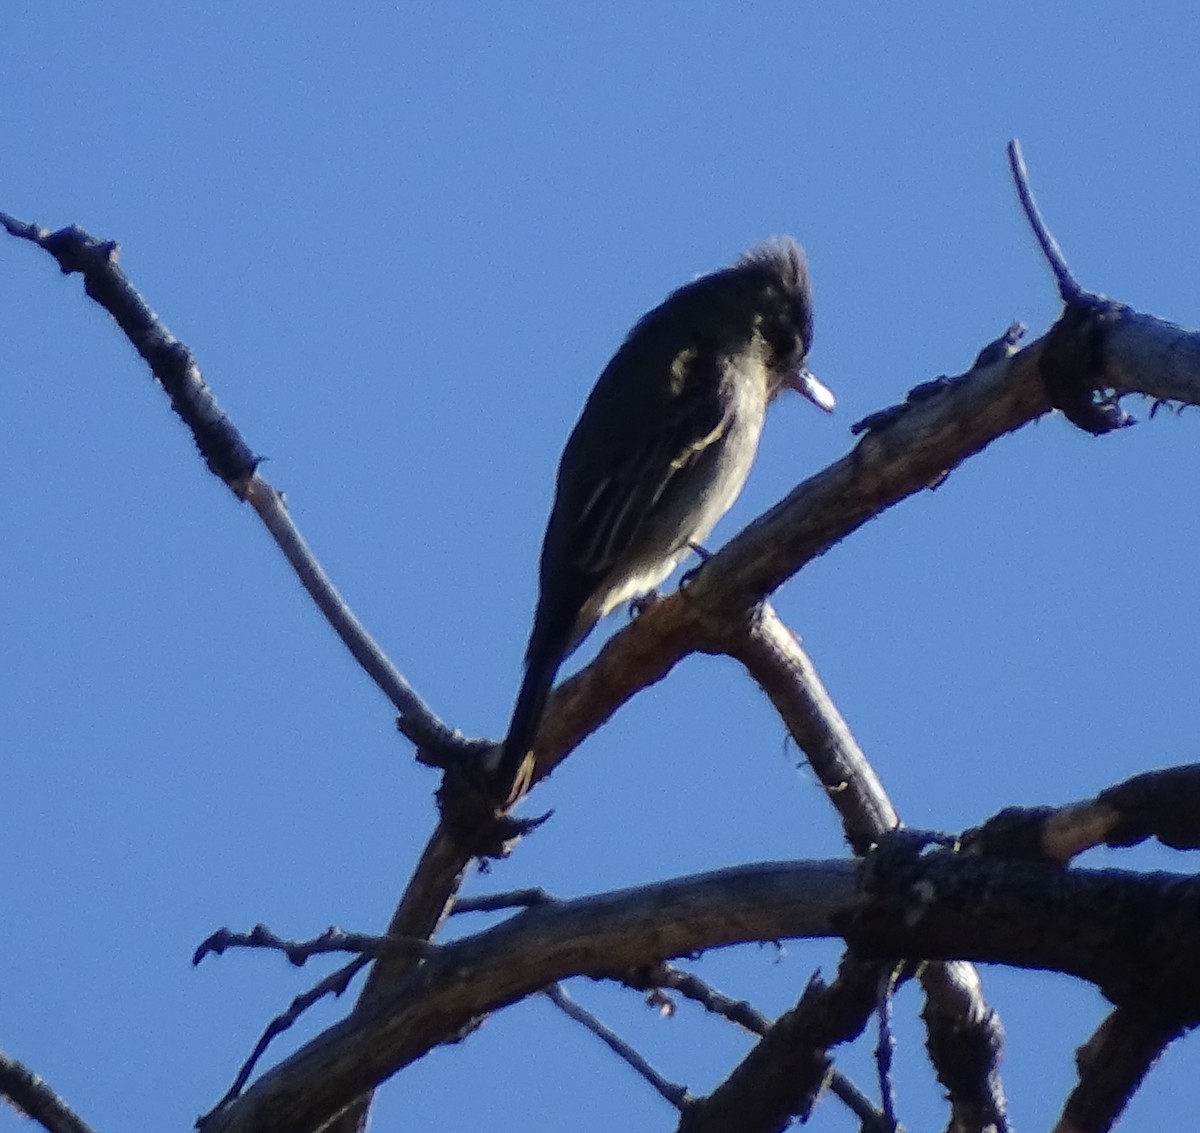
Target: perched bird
660,452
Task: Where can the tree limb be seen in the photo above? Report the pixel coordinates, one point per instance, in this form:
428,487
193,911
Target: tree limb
1112,1064
36,1100
901,903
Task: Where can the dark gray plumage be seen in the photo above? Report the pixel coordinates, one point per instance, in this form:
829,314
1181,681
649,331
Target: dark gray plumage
660,452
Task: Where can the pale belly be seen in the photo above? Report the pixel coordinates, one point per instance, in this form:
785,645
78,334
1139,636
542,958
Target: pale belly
706,494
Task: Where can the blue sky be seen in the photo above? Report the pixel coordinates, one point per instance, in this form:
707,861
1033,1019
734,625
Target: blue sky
402,245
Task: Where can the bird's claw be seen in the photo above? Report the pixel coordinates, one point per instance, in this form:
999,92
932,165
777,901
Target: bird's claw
689,576
642,603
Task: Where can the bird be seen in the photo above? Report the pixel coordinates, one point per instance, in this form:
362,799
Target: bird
660,452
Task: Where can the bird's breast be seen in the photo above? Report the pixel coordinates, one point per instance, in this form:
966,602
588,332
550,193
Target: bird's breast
700,493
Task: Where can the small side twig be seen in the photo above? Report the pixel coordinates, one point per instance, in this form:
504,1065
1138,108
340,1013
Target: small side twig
676,1095
1068,287
885,1047
334,984
872,1119
36,1100
999,349
300,951
1072,362
493,902
667,976
744,1014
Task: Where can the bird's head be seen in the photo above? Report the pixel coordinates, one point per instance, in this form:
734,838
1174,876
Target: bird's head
777,273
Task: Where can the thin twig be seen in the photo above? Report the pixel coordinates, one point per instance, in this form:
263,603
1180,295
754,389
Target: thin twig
300,951
885,1047
467,979
36,1100
873,1119
514,899
668,976
334,984
417,720
676,1095
1068,287
229,457
173,365
746,1015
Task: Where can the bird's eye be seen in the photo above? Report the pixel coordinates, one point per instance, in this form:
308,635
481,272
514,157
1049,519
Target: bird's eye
785,344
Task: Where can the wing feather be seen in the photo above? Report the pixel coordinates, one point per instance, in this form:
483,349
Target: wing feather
623,496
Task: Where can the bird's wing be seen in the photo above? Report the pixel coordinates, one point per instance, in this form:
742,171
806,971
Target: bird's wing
623,490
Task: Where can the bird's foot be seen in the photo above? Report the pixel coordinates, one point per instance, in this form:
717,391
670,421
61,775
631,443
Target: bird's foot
642,603
703,554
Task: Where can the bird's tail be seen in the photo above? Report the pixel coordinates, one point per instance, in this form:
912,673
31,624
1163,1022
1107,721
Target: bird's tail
514,772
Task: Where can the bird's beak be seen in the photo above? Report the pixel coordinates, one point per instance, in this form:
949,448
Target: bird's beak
820,395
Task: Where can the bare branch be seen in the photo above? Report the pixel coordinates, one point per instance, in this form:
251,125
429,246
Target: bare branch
999,349
416,717
1156,804
1112,1064
227,454
174,366
743,1014
964,1040
333,984
911,905
956,1015
669,977
777,662
1068,288
599,936
36,1100
300,952
1093,925
784,1075
915,449
518,898
674,1094
885,1044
